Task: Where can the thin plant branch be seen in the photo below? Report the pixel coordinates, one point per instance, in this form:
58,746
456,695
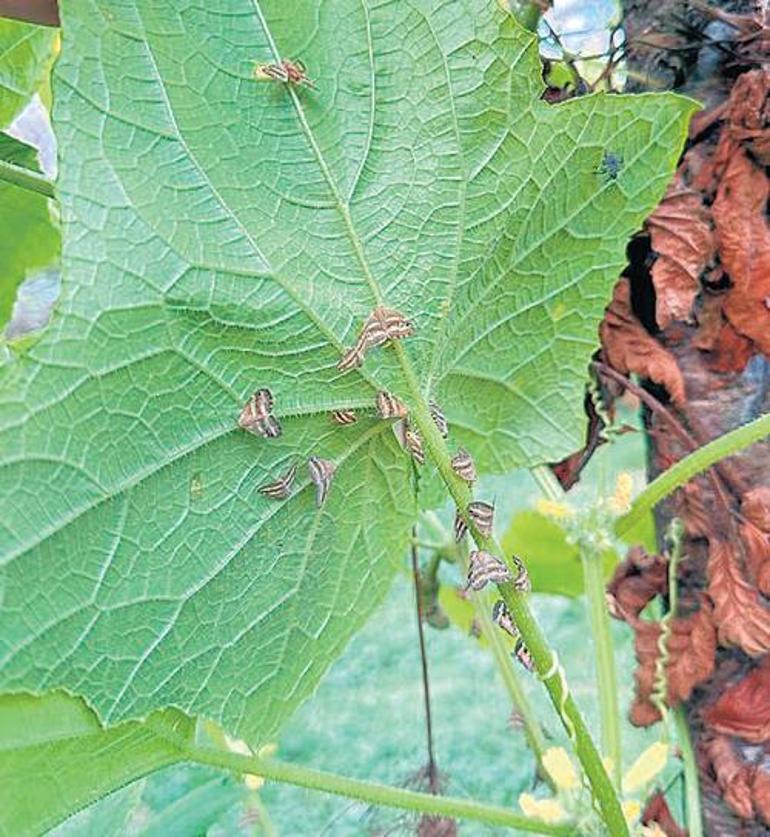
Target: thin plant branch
431,766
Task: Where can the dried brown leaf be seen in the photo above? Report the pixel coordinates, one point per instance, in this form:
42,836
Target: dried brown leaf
657,811
630,348
743,710
733,775
743,238
681,235
635,582
739,614
755,507
757,547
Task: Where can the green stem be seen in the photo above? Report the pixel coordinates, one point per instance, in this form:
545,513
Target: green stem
26,179
532,729
371,792
606,674
543,656
684,470
691,779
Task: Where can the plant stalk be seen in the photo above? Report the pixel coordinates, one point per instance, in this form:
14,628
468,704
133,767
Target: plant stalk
371,792
545,659
26,179
688,467
691,778
606,673
432,770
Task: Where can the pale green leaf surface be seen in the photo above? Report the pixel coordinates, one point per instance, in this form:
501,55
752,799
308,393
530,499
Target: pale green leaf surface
30,239
223,234
25,56
55,758
108,817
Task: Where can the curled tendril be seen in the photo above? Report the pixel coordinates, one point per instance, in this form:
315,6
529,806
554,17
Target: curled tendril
660,683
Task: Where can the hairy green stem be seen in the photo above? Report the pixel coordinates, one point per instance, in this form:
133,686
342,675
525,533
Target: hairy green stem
26,179
545,660
606,674
371,792
684,470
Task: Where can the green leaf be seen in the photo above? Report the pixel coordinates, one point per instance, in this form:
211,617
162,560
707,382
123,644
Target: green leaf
109,817
30,239
223,234
553,563
55,757
25,57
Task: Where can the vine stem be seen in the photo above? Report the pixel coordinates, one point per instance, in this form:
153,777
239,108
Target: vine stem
688,467
25,178
545,659
371,792
691,778
606,674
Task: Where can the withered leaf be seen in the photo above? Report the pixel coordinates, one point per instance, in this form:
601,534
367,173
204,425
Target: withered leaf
630,348
757,547
635,582
755,507
681,236
657,811
732,773
739,615
743,709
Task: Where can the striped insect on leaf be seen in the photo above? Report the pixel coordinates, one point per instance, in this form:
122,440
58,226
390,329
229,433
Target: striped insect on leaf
439,419
464,466
413,443
280,489
521,652
521,579
343,416
287,72
382,325
388,406
483,516
321,473
257,416
485,568
460,526
501,616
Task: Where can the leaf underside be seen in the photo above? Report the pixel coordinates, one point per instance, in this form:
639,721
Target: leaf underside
223,234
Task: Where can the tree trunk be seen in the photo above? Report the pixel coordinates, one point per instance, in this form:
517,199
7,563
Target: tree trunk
694,322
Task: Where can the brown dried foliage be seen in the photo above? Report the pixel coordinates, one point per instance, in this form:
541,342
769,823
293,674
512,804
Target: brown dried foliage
657,811
630,348
682,237
636,581
743,709
746,787
739,614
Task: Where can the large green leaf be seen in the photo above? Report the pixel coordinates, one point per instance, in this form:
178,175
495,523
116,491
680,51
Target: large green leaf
30,238
56,758
222,234
25,57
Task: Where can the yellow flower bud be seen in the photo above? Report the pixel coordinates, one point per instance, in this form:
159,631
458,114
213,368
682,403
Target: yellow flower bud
560,768
646,767
547,810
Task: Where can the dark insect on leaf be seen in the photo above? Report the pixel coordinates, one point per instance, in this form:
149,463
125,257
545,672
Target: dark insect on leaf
485,568
463,466
439,419
483,516
281,488
257,418
382,325
521,652
460,527
521,580
413,443
287,72
502,617
344,417
611,165
388,406
321,473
